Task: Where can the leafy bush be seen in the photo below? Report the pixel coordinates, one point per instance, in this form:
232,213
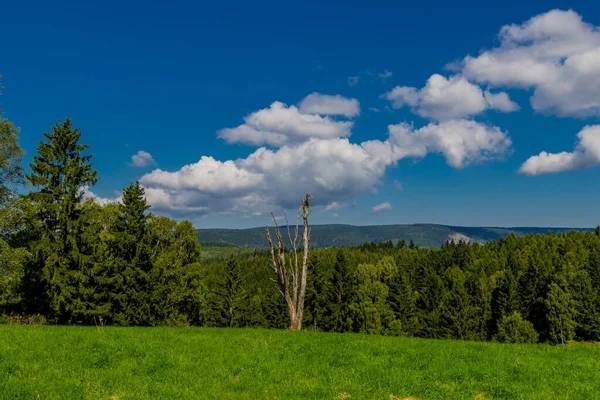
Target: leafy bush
514,329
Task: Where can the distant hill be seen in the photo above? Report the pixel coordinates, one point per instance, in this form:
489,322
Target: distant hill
425,235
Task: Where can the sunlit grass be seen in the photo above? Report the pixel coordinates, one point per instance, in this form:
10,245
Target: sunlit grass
59,362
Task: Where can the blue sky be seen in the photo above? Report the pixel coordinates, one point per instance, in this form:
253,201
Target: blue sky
391,134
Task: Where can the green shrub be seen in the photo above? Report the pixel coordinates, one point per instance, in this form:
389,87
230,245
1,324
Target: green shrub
515,329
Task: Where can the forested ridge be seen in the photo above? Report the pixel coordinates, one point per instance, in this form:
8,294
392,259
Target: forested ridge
337,235
73,261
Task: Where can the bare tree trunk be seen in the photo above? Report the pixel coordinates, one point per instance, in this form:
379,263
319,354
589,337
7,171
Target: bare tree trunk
290,277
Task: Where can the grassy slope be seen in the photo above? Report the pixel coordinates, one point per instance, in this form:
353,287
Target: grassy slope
55,362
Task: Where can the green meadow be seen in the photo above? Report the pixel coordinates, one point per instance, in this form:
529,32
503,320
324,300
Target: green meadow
70,362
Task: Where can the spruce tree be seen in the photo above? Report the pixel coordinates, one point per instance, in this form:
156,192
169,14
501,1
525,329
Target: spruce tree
132,303
231,295
402,301
60,171
340,295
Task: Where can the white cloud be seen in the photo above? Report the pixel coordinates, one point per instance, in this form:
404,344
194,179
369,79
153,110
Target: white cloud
500,101
353,80
87,193
335,215
556,54
207,175
316,103
280,124
462,142
448,98
384,75
585,155
142,159
398,186
374,109
333,206
331,168
386,206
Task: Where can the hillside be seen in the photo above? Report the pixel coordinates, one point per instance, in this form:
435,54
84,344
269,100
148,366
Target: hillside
74,362
425,235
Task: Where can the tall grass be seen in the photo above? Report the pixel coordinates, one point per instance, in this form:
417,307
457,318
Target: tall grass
60,362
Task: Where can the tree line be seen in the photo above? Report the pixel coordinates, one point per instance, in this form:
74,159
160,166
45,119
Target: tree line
527,289
74,261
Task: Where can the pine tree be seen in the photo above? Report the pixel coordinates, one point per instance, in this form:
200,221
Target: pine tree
132,303
402,301
60,172
505,299
318,296
459,312
533,289
587,307
340,295
231,295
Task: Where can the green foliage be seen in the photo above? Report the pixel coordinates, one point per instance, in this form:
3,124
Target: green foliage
230,295
514,329
12,271
11,157
79,262
60,172
373,312
560,314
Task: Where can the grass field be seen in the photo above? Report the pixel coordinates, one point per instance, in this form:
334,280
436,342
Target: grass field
58,362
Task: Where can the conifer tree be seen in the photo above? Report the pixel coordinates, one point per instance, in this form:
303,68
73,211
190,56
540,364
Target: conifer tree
340,294
231,294
132,303
402,302
60,172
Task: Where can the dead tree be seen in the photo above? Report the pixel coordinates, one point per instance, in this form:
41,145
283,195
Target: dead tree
290,275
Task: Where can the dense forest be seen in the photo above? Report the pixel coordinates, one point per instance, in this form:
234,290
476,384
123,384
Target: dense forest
64,260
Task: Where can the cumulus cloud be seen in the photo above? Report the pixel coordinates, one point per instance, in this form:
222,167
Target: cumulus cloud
142,159
87,193
280,124
207,175
462,142
386,206
556,54
585,155
331,169
500,101
309,153
333,206
449,98
398,186
316,103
